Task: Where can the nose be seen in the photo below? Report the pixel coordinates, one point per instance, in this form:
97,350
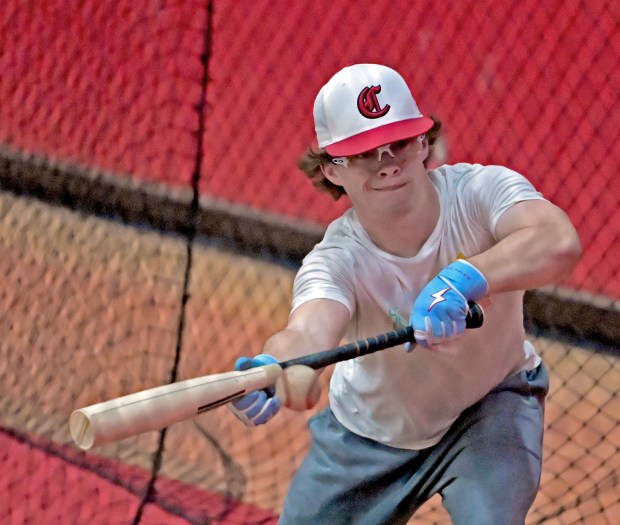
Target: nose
388,169
386,164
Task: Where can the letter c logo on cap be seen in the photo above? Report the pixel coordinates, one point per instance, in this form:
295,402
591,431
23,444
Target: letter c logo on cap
368,104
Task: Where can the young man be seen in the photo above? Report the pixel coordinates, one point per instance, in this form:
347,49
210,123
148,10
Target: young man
459,413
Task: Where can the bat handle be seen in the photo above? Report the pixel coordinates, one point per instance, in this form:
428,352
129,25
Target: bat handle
474,319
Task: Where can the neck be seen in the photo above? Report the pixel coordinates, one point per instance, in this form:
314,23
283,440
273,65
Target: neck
404,232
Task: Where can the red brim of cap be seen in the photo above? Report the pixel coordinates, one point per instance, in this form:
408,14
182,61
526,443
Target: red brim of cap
373,138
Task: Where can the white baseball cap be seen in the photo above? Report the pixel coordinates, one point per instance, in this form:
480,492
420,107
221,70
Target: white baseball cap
365,106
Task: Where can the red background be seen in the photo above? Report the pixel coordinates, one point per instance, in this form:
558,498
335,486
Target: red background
116,86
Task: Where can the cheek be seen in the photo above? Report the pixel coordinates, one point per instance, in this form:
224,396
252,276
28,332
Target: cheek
359,182
337,174
418,152
353,180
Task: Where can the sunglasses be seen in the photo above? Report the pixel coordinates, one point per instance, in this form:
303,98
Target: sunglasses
372,158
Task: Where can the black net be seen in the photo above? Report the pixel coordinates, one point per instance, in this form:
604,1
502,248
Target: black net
152,219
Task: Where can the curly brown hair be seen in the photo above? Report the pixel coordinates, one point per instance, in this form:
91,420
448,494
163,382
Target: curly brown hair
311,161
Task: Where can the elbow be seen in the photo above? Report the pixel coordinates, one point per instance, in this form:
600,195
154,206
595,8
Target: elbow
569,250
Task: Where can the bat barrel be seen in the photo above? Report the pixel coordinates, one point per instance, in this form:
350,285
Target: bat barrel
159,407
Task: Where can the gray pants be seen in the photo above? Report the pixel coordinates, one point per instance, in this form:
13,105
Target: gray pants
486,468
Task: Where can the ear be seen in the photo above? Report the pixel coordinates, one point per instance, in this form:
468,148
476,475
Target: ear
423,147
439,154
331,173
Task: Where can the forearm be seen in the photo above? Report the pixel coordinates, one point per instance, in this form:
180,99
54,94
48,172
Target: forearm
291,343
315,326
530,257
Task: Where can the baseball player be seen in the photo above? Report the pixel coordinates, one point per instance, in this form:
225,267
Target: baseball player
460,412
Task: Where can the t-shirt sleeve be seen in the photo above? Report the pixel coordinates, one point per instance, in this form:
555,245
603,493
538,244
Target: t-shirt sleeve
494,189
325,274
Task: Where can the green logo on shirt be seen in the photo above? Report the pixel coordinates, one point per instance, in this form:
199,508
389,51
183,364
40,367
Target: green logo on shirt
397,320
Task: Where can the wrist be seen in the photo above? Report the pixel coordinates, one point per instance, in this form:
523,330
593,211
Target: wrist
467,279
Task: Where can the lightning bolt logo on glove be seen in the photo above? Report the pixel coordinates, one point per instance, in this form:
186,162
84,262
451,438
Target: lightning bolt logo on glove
439,312
438,298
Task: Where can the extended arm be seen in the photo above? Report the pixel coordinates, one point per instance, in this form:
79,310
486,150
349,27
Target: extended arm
314,326
537,245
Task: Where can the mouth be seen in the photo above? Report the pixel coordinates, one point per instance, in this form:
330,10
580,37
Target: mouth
393,187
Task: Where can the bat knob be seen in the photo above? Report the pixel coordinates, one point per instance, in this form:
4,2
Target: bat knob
475,316
81,430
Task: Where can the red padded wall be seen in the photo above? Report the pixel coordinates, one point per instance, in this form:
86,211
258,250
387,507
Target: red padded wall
117,86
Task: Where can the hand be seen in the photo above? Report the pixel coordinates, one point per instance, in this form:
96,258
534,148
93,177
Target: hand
440,310
258,407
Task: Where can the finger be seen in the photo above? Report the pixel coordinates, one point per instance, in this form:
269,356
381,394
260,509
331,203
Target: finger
420,338
434,328
268,411
255,408
246,401
240,415
243,363
459,326
263,359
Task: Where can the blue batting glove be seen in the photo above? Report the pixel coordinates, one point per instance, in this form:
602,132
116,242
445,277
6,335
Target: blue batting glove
440,310
258,407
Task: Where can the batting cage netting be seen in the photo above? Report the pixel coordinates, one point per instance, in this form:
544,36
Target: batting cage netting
152,219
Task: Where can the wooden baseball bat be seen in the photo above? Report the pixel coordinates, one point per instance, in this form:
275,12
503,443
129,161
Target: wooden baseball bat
159,407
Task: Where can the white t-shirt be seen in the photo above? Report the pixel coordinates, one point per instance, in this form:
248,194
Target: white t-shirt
409,400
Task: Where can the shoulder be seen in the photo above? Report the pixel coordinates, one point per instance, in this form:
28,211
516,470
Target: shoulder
345,232
464,173
338,243
479,181
328,271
